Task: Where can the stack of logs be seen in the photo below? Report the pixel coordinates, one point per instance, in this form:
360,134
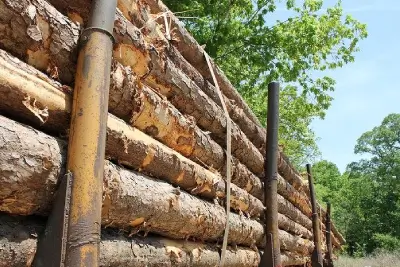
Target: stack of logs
164,184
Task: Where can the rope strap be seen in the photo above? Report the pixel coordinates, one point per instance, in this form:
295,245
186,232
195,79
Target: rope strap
228,160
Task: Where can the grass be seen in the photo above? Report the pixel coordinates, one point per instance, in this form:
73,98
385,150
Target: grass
382,259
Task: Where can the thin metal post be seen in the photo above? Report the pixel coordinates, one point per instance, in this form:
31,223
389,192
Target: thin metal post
272,253
328,255
316,257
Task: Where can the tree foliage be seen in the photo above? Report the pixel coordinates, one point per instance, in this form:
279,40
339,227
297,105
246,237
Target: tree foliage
253,49
366,198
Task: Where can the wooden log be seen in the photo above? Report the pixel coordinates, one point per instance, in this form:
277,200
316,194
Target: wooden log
159,119
130,199
148,63
154,115
78,10
125,144
15,92
193,53
38,33
11,10
18,240
287,208
337,238
18,80
50,18
136,12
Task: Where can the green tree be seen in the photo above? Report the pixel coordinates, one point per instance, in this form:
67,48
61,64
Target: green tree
328,181
253,49
370,212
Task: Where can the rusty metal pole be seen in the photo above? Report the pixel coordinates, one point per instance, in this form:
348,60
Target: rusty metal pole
87,139
272,253
316,257
328,255
72,235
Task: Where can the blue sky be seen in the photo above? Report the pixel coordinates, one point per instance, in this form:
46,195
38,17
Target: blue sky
366,90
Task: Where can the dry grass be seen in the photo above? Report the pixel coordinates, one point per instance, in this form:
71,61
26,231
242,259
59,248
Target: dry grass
380,260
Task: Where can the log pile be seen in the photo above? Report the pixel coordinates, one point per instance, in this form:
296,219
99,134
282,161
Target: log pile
164,181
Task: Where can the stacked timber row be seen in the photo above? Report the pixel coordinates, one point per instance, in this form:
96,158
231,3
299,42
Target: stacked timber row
164,178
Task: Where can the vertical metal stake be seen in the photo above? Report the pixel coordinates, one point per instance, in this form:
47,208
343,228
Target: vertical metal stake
52,243
316,257
272,253
328,255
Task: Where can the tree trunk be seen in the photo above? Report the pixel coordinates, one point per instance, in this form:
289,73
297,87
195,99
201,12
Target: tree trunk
149,112
132,51
18,241
193,53
15,85
42,33
39,34
287,208
14,88
137,12
130,200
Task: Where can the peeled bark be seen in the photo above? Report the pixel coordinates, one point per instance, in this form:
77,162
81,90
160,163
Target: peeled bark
117,250
136,12
32,32
137,57
18,240
132,50
192,51
39,34
130,200
124,144
287,208
17,80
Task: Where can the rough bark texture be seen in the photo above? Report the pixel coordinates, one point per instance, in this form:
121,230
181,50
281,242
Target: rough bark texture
18,241
24,162
130,200
21,85
39,34
287,208
132,50
192,51
189,47
127,34
184,94
36,32
122,139
137,55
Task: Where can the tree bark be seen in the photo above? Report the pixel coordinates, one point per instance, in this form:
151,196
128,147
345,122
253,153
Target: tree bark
145,153
145,61
18,240
130,200
15,85
36,22
77,11
39,34
138,12
193,53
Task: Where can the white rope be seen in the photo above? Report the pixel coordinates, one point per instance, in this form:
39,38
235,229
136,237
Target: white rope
167,30
228,161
